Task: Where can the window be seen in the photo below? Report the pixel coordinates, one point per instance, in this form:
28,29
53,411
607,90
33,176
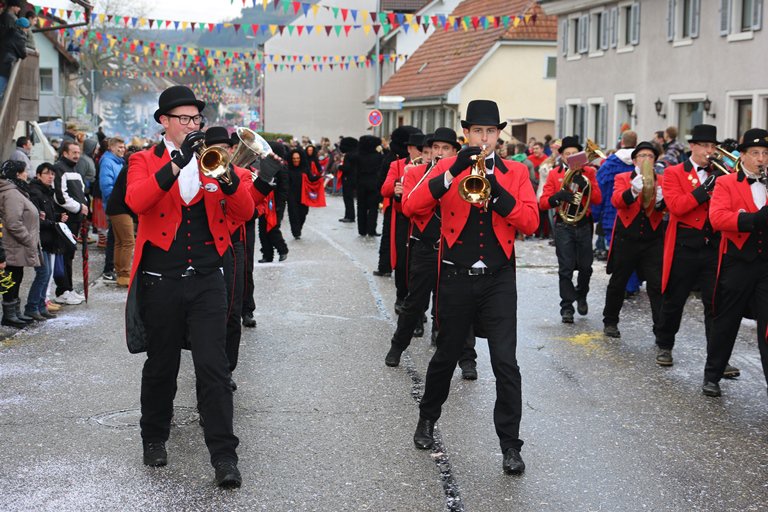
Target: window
628,25
740,16
46,80
689,114
550,67
578,119
600,33
683,19
430,124
441,118
598,117
743,116
581,33
417,118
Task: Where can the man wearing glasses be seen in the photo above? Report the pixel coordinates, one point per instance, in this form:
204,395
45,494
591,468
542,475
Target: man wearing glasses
177,297
739,212
690,246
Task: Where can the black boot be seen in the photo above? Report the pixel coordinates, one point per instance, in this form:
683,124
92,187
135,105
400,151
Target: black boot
424,438
9,316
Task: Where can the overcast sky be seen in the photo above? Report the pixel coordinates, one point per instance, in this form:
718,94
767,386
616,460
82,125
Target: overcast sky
183,10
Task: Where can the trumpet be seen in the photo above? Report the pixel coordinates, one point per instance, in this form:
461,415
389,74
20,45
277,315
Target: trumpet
724,161
476,188
215,163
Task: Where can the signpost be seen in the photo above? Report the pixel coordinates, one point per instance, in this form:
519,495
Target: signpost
375,118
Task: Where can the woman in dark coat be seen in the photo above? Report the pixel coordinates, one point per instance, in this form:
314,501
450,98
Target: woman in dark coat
297,212
41,195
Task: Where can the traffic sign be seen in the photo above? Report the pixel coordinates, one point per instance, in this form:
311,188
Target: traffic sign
374,117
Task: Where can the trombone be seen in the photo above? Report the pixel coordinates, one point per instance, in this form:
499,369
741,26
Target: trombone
724,161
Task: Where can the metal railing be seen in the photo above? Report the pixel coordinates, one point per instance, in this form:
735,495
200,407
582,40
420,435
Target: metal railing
21,101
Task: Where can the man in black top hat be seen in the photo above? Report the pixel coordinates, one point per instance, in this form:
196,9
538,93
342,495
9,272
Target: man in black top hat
347,145
477,280
637,243
177,298
690,245
739,210
423,258
573,240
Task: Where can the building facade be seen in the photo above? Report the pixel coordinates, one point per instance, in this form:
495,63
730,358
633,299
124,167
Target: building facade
649,64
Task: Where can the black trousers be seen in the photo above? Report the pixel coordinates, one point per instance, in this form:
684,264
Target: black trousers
234,270
385,262
741,284
17,274
367,210
348,194
402,224
64,283
192,309
271,240
692,268
573,246
297,215
249,306
492,300
628,256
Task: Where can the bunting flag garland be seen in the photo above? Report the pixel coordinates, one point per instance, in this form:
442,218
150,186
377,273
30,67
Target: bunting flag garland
383,22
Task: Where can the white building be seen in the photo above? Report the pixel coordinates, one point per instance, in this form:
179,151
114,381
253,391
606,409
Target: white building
648,64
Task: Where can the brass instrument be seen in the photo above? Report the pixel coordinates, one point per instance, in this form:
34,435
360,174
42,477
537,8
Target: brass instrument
724,161
593,151
573,211
648,194
417,161
215,163
476,188
252,146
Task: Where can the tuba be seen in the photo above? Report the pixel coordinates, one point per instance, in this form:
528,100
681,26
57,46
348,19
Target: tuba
476,188
572,212
251,147
593,151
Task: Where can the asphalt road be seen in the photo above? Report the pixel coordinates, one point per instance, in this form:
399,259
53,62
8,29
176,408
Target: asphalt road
325,425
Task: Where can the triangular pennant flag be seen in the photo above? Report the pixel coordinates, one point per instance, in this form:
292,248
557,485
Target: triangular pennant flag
290,29
347,28
354,14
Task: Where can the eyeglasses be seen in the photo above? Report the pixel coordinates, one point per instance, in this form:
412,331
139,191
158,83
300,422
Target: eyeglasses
645,157
184,120
758,154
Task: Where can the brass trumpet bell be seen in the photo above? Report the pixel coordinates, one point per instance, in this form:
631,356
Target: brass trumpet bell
215,163
476,188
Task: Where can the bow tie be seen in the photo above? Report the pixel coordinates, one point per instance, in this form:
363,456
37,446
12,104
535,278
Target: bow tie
751,180
489,163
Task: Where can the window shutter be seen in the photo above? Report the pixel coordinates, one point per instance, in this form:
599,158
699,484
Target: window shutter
581,115
635,23
603,43
670,20
560,122
695,16
583,36
757,14
564,30
614,27
602,132
725,17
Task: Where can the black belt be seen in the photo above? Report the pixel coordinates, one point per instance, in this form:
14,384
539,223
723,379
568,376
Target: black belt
190,272
453,271
427,243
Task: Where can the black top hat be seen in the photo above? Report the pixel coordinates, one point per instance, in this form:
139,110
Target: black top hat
704,133
446,135
217,135
483,113
755,137
399,139
570,141
416,139
645,145
176,96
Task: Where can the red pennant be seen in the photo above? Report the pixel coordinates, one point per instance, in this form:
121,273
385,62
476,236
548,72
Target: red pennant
347,28
300,28
255,29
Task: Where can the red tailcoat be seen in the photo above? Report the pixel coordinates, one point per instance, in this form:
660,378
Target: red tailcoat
684,208
411,179
512,176
159,211
730,198
396,172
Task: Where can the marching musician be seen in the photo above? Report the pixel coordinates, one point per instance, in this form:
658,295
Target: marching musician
637,242
177,296
573,240
398,232
423,258
690,245
477,274
738,210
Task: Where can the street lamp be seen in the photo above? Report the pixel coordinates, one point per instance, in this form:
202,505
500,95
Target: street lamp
658,105
707,104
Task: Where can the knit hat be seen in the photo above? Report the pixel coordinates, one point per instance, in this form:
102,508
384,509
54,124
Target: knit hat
11,169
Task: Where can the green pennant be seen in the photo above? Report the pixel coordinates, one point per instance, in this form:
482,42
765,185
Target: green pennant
337,29
77,15
286,5
335,11
201,26
505,20
386,27
38,9
290,29
382,18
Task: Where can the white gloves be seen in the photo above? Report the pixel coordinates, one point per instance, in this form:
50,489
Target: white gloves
637,185
659,193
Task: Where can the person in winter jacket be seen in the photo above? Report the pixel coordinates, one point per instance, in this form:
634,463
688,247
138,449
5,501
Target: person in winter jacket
86,165
41,194
361,167
13,46
110,165
21,236
69,193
